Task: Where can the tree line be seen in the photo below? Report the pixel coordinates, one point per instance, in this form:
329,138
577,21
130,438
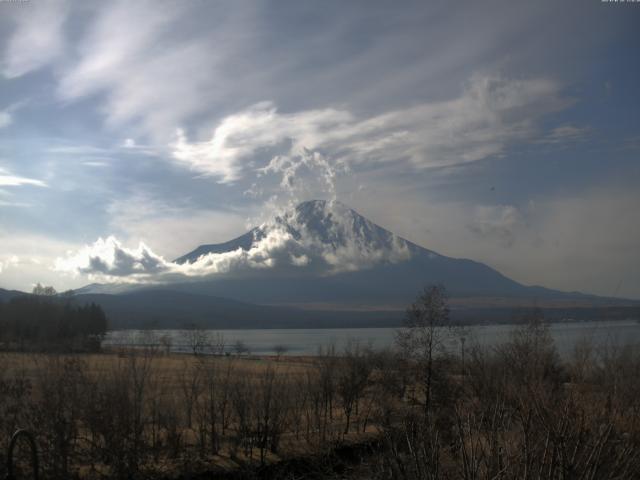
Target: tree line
45,320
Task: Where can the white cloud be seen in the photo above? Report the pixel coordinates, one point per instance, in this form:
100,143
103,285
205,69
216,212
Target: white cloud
292,170
150,79
328,239
5,119
95,163
142,216
117,38
82,150
37,39
109,258
300,261
239,136
497,222
490,114
288,180
7,179
330,234
154,70
27,257
9,262
566,134
7,115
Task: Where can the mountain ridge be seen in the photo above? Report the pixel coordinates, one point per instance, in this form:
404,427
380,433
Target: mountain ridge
348,259
323,264
317,219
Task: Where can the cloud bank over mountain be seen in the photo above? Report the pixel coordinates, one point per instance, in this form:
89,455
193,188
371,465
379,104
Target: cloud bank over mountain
323,237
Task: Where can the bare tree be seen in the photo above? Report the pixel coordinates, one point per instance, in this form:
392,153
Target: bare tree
280,350
530,355
58,411
270,410
327,365
425,329
197,339
41,290
166,343
191,387
217,344
240,347
353,377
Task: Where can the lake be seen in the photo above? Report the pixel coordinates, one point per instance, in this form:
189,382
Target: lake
309,341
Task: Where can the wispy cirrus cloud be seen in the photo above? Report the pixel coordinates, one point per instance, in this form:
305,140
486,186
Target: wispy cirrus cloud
129,48
564,134
491,113
37,39
240,136
7,179
7,114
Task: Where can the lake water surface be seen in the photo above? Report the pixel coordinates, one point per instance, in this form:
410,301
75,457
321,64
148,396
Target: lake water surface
309,341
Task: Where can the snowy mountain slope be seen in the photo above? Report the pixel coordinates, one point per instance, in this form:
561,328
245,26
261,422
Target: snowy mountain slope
322,234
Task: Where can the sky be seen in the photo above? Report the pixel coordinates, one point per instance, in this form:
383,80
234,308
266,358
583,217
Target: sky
505,132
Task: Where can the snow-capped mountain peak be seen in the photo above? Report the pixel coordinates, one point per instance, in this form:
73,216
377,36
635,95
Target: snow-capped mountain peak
327,235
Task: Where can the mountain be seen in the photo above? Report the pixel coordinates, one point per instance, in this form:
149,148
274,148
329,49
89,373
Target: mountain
349,260
323,264
6,295
161,308
319,227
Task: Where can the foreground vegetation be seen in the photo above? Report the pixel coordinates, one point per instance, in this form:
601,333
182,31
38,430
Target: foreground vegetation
46,321
512,412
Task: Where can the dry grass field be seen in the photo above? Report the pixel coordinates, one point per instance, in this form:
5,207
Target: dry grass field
512,412
152,413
